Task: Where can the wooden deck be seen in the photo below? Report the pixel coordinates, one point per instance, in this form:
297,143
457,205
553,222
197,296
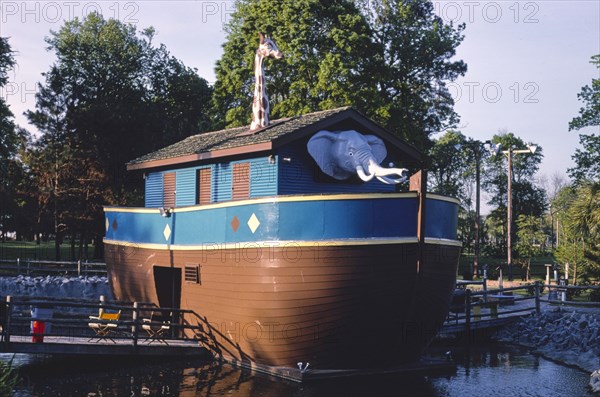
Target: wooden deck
488,310
62,345
72,327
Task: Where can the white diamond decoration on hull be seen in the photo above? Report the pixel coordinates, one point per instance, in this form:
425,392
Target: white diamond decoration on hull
107,224
253,223
167,232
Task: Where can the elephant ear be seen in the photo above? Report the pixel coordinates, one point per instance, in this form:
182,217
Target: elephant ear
321,149
377,147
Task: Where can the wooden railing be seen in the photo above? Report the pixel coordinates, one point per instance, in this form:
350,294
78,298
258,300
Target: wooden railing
500,305
69,317
32,267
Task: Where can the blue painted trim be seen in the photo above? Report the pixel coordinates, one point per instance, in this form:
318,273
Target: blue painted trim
286,221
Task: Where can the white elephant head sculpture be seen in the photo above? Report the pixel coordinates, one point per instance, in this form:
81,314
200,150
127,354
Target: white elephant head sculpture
346,153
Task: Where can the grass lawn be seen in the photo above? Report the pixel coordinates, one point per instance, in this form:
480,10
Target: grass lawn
42,251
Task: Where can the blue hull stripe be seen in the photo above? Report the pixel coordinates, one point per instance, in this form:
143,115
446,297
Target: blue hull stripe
303,220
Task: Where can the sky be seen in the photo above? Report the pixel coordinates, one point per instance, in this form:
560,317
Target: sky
527,60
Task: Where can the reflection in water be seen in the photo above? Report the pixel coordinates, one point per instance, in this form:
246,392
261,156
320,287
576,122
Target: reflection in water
499,370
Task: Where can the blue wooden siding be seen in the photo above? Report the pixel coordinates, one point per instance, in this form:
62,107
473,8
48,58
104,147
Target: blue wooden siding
299,174
154,190
263,176
185,183
221,182
291,171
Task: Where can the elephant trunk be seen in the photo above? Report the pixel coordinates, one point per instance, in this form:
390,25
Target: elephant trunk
382,173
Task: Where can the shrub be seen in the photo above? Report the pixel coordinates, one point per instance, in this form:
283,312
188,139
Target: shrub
8,378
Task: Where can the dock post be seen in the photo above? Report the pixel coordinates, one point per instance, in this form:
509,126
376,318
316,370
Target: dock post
485,289
79,267
134,326
6,329
468,314
537,297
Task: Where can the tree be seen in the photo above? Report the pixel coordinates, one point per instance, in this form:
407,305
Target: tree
587,159
10,140
412,62
527,198
570,247
451,171
531,239
110,97
390,60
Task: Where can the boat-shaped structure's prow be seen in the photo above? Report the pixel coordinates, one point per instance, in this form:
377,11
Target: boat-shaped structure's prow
290,259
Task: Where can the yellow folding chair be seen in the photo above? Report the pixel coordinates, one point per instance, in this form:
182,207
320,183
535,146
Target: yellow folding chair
104,325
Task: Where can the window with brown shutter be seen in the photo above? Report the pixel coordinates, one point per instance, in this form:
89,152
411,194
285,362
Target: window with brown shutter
169,190
203,184
241,181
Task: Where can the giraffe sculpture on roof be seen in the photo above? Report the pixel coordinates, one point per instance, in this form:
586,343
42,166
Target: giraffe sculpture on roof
260,104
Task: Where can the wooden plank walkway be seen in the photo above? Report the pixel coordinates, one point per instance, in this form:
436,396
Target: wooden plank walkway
68,345
487,310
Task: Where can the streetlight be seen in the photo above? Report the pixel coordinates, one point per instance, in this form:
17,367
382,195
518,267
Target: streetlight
509,153
492,149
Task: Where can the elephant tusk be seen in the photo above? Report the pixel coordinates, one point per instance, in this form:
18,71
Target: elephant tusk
391,181
381,173
361,174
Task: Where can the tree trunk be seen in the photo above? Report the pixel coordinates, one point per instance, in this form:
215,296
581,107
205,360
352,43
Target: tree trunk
81,237
73,236
57,246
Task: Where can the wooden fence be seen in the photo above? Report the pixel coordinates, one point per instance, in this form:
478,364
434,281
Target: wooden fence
31,267
485,308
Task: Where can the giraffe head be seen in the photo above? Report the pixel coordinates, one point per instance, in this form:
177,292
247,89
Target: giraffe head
267,48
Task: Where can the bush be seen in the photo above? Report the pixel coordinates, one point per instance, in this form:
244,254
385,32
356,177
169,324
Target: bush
595,295
8,378
531,289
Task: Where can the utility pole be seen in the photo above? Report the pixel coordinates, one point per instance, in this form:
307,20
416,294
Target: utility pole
477,147
509,153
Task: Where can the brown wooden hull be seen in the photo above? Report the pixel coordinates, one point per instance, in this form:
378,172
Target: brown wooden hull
344,306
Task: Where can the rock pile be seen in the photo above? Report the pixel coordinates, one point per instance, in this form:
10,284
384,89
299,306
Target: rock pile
571,337
57,287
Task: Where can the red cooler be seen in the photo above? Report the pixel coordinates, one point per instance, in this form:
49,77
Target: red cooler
38,332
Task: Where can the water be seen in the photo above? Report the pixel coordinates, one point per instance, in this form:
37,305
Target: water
494,370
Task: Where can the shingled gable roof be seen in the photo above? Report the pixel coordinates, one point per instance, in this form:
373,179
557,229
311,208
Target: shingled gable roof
241,140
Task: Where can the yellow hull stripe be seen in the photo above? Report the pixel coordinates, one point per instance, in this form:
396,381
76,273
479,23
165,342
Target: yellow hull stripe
281,244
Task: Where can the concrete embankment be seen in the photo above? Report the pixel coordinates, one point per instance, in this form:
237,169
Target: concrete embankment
570,336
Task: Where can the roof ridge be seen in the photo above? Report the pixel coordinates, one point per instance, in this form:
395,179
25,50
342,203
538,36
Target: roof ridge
229,138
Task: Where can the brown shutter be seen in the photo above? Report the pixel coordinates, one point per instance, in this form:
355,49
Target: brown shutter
241,181
204,193
169,190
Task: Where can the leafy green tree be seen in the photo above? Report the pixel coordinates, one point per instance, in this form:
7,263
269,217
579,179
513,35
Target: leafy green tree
587,159
412,62
120,95
389,59
527,198
570,247
451,171
11,138
110,97
324,65
531,239
8,137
